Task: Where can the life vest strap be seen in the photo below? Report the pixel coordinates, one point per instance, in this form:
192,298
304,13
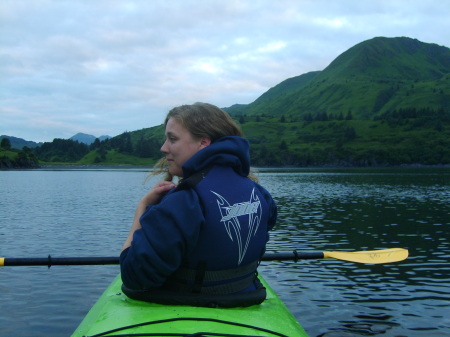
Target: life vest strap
190,275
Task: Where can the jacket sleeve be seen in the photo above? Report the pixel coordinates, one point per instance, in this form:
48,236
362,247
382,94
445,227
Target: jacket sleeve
169,232
273,210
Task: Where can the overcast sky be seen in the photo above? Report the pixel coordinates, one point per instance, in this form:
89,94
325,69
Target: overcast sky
103,67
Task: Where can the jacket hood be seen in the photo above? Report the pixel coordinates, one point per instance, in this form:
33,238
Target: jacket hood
226,151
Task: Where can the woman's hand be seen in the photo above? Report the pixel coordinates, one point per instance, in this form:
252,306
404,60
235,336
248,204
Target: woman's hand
157,192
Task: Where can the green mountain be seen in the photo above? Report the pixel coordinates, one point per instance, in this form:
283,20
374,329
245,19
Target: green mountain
371,78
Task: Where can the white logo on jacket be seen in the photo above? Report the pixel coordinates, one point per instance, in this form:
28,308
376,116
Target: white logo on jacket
230,215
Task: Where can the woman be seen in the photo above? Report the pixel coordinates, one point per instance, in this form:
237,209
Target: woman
199,243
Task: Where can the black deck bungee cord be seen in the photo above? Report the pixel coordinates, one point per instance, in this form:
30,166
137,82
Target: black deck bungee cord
197,334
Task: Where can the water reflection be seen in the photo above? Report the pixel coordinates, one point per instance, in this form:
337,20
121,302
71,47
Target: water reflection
375,210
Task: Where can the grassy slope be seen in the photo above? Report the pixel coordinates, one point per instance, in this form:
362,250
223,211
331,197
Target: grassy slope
10,154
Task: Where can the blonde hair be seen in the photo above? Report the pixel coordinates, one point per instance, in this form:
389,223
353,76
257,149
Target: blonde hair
201,120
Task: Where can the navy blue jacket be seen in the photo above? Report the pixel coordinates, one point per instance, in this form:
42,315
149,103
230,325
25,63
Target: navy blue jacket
221,223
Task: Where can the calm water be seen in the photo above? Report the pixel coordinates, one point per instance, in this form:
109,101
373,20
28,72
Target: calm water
88,213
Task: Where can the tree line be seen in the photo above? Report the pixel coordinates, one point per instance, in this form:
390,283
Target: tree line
66,150
321,116
416,117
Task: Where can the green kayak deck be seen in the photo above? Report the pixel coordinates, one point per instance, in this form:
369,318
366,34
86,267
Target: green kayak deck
116,314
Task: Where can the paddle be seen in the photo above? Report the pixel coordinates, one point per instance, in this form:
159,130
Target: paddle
369,256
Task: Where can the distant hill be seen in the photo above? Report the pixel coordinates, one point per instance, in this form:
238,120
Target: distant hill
369,79
19,143
87,139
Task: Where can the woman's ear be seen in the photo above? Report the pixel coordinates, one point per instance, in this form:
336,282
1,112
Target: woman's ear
204,142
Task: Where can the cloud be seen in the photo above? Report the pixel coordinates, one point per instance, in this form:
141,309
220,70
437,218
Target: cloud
108,66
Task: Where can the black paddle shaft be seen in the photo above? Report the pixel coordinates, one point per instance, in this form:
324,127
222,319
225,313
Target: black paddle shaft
61,261
294,256
107,260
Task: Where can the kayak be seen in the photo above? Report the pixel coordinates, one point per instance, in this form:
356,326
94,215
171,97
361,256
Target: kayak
115,314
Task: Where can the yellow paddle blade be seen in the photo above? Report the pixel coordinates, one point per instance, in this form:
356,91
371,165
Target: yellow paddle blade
371,256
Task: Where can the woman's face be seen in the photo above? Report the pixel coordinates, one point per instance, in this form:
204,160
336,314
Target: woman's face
180,146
